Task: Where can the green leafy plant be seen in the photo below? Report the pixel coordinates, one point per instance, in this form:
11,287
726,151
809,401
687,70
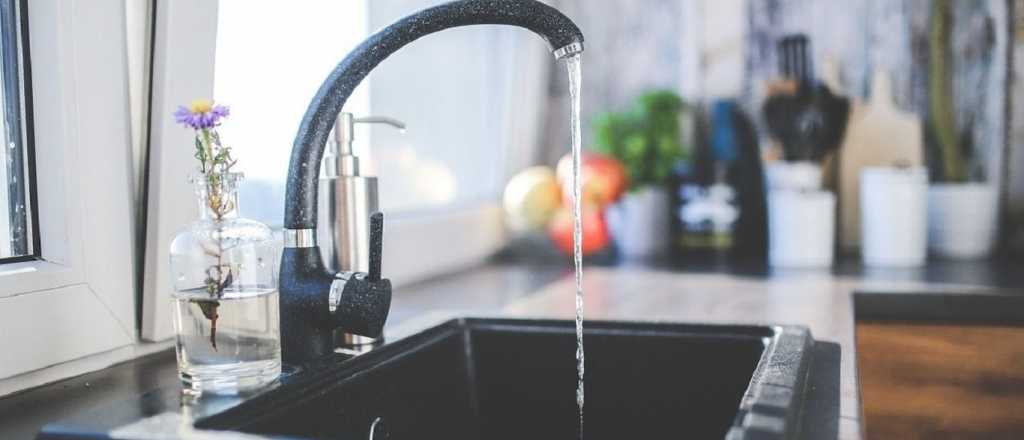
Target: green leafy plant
952,156
647,139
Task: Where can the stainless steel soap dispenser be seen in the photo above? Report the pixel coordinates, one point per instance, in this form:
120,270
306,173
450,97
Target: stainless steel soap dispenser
346,199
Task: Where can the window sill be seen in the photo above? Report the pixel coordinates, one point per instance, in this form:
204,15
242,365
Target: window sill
28,277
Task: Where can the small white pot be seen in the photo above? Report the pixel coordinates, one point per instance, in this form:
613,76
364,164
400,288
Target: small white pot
962,220
640,222
801,228
893,211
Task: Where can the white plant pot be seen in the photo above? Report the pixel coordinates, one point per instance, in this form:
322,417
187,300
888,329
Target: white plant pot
640,222
893,211
962,220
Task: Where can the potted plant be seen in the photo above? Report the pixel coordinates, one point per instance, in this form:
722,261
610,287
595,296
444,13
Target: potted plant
962,207
648,140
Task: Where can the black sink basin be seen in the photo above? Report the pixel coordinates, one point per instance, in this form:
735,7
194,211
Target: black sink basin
511,379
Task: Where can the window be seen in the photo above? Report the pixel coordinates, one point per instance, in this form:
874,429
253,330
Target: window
455,151
17,239
268,79
469,97
472,106
72,295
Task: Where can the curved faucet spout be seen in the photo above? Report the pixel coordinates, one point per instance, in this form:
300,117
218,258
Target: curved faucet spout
314,301
300,200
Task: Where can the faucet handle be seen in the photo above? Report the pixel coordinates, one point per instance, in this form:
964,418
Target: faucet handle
376,245
363,304
362,300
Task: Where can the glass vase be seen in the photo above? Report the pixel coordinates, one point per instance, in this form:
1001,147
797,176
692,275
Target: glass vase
226,314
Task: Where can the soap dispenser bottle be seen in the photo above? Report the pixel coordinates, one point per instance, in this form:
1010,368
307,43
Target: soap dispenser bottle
347,199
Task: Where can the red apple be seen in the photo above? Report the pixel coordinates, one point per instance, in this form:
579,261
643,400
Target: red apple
603,178
595,230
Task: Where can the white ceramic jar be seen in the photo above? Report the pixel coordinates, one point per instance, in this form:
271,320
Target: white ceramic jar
962,220
801,228
894,212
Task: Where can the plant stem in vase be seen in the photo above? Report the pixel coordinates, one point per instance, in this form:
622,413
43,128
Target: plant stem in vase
225,280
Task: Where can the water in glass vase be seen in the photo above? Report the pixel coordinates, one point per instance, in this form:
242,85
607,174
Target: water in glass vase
236,351
225,295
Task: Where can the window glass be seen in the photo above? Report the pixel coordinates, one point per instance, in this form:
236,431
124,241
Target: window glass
270,62
16,239
455,90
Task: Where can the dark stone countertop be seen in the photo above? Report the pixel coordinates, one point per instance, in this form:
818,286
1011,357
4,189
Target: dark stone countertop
677,291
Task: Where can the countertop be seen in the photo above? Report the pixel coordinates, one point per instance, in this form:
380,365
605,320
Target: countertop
645,291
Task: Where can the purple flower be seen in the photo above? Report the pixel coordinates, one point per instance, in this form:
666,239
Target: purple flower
200,114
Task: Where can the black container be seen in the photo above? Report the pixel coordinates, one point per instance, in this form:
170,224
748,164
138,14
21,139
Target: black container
727,156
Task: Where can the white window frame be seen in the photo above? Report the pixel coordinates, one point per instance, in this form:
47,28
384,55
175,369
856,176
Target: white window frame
184,42
78,298
5,219
417,245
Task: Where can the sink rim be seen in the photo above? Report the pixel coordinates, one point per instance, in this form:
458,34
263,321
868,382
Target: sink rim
771,407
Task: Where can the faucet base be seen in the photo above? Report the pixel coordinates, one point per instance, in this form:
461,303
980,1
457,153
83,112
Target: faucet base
308,322
349,340
353,344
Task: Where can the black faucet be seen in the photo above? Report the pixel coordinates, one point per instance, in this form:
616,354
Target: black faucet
315,301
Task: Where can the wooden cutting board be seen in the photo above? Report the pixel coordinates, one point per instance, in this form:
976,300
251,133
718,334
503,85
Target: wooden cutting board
941,381
877,134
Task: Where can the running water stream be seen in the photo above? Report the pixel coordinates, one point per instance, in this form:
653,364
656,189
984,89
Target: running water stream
573,65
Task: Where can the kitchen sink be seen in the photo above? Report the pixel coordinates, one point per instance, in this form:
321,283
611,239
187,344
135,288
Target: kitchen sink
516,379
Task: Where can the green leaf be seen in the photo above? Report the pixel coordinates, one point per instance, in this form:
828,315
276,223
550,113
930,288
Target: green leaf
647,139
